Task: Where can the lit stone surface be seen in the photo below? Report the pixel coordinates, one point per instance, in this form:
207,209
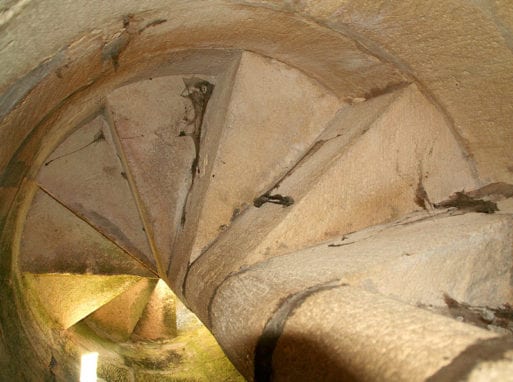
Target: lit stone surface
456,52
55,240
158,320
272,106
347,331
148,116
467,256
117,319
68,298
84,173
361,175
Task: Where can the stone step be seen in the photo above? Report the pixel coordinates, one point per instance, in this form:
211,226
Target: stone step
55,240
274,115
117,319
68,298
339,188
211,133
374,179
415,261
84,174
158,320
155,121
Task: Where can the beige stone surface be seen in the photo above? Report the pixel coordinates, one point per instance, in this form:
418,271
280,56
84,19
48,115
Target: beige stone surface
117,319
84,173
344,67
158,320
273,107
414,261
367,336
376,178
213,123
55,240
457,52
148,117
68,298
361,174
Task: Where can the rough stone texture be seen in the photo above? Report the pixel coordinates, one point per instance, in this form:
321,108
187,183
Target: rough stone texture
117,319
367,337
55,240
344,66
466,256
272,106
358,175
376,178
85,174
148,117
458,52
158,320
68,298
212,127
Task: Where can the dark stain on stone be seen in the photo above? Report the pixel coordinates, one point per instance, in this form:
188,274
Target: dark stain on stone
152,24
98,137
463,201
341,244
376,92
285,201
113,49
273,330
481,316
488,350
421,197
198,91
13,174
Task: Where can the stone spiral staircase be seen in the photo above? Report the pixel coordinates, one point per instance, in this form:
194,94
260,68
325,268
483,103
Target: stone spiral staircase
267,204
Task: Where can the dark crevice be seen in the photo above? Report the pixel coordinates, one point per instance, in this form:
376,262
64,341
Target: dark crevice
199,92
273,329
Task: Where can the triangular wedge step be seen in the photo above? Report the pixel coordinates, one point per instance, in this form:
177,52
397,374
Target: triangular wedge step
84,173
68,298
406,154
339,187
158,321
55,240
117,319
153,120
274,115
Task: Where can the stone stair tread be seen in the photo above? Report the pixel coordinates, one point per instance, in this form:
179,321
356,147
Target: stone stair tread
274,115
159,319
68,298
151,118
340,189
376,178
55,240
117,319
415,261
84,173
